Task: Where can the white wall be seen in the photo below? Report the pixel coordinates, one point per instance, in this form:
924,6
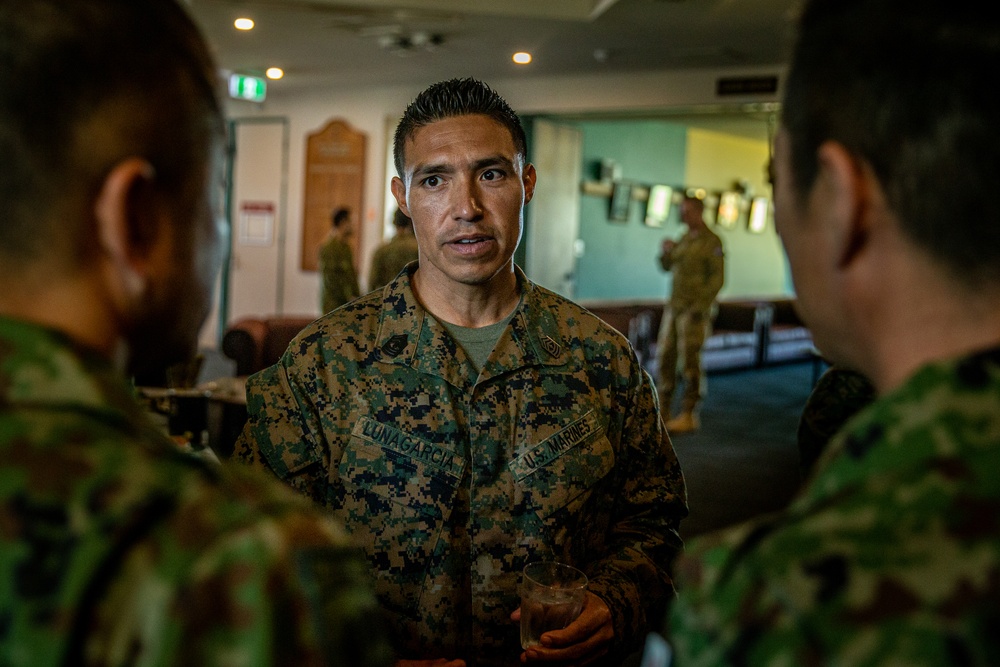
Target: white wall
370,110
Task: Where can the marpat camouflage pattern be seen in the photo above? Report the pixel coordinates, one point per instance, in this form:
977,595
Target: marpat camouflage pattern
454,482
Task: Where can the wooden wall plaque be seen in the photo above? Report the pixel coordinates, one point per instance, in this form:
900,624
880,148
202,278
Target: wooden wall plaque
334,177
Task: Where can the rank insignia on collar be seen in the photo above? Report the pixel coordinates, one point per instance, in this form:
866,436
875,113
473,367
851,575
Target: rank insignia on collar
395,345
550,346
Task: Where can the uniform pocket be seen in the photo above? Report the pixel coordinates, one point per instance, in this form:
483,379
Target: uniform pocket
560,471
398,495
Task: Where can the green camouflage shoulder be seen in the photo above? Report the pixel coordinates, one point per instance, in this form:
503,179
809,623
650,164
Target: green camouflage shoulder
890,556
119,549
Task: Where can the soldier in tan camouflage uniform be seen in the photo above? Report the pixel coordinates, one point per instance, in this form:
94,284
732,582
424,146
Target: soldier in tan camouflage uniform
464,421
698,267
115,547
390,258
336,264
885,170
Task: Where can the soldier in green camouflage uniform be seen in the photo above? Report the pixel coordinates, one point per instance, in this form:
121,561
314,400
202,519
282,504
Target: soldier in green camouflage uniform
698,267
336,264
891,553
390,258
456,463
115,547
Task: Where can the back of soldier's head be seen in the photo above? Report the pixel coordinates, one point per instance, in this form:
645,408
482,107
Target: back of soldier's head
904,85
84,84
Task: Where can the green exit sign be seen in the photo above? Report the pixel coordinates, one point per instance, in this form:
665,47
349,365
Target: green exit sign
245,87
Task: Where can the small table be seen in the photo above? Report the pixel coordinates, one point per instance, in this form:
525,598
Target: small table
209,416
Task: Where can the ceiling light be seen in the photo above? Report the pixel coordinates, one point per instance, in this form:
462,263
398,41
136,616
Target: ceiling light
521,57
274,73
243,24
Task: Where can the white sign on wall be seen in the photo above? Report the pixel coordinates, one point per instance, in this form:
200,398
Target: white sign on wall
256,223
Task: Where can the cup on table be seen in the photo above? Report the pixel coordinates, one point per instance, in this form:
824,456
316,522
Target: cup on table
552,596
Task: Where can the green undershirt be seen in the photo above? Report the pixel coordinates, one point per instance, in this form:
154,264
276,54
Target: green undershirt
478,342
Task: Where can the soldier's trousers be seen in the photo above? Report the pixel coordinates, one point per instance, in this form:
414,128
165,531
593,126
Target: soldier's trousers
682,334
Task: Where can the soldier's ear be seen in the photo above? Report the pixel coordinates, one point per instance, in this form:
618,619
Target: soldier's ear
844,190
127,223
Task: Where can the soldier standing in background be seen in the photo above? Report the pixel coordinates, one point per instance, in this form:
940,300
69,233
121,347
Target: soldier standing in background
390,258
885,204
698,266
464,421
117,548
336,263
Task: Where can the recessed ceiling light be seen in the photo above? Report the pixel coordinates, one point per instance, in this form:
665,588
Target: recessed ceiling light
274,73
243,24
521,57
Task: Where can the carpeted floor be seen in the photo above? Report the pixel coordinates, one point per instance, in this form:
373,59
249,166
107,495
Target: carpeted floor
744,460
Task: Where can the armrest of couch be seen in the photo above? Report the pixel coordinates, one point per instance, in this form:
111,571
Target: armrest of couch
256,343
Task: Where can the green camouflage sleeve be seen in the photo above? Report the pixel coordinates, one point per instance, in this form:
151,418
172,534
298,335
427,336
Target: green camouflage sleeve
283,434
633,579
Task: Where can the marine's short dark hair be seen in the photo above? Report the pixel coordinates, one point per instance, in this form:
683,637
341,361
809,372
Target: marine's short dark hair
905,86
455,97
84,84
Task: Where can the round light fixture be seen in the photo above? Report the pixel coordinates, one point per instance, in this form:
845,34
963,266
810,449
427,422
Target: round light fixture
243,24
274,73
521,57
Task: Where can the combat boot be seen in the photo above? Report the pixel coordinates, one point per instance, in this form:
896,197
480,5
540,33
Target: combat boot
685,422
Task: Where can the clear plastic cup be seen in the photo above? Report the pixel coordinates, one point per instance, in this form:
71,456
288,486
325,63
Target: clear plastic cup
552,596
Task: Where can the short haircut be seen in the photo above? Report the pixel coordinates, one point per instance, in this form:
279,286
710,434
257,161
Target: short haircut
455,97
85,84
340,216
904,85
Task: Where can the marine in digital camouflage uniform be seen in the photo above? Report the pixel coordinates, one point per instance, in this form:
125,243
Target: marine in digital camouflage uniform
453,470
116,548
890,555
119,549
697,263
336,265
390,258
454,482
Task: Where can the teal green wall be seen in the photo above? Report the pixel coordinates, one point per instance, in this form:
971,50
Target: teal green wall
620,258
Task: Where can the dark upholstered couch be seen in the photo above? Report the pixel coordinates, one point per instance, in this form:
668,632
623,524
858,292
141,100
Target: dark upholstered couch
746,333
256,343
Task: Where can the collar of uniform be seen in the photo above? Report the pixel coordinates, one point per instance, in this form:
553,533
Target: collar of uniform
534,327
407,335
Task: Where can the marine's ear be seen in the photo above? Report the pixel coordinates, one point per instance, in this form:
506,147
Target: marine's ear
528,177
398,188
128,220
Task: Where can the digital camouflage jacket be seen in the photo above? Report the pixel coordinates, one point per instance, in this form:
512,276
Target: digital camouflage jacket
890,556
699,270
454,482
118,549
